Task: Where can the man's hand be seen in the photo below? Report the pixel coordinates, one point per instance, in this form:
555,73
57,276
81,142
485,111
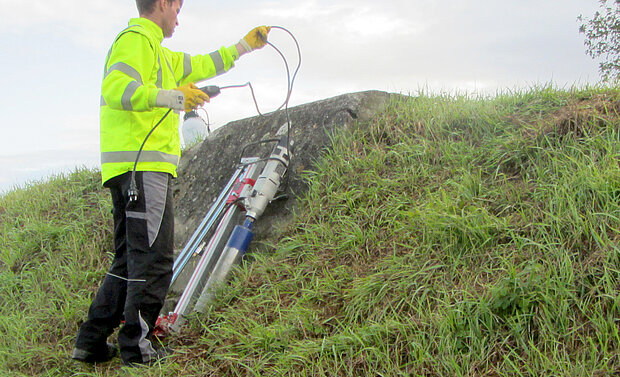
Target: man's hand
194,97
257,38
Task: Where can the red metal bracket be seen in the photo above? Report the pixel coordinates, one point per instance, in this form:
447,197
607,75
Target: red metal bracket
235,194
163,324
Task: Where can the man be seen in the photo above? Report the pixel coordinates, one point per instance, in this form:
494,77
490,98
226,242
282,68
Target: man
142,82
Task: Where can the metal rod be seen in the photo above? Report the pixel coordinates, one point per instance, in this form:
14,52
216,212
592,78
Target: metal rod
182,259
209,220
212,252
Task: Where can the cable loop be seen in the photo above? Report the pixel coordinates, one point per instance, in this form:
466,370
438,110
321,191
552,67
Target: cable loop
133,192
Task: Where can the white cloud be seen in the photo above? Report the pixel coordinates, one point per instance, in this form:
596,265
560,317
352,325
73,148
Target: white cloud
367,22
90,24
351,19
301,10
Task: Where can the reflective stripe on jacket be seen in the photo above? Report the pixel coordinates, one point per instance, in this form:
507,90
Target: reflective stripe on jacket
136,70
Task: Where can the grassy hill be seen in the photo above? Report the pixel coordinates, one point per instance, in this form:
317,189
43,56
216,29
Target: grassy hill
449,236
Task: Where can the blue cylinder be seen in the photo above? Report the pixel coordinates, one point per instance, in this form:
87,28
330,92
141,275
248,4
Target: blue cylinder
240,238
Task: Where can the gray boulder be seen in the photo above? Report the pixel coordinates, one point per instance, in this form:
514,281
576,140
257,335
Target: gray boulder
207,167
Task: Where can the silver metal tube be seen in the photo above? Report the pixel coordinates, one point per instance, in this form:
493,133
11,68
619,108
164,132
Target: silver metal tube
230,257
203,228
204,267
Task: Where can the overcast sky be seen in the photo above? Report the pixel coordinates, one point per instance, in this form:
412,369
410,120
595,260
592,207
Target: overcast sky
52,55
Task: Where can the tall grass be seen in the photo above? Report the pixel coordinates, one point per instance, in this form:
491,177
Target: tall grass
53,239
449,236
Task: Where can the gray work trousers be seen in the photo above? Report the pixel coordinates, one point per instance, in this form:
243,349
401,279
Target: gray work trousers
137,282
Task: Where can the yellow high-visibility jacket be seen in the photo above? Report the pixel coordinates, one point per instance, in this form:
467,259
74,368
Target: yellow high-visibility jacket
137,70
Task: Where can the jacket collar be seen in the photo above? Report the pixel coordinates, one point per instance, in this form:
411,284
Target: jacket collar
151,27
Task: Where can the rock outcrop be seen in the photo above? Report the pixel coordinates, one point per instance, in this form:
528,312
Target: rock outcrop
205,169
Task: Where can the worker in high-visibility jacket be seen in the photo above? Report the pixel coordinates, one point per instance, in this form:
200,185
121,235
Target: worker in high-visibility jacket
142,81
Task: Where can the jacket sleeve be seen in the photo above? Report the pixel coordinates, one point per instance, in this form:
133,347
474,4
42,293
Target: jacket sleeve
200,67
128,66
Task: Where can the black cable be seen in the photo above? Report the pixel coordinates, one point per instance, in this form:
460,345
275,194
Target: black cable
208,120
133,189
290,83
252,144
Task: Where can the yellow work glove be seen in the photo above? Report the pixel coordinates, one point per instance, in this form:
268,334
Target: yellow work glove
257,38
194,97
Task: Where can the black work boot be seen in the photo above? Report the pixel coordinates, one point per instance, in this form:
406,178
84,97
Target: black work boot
95,357
161,355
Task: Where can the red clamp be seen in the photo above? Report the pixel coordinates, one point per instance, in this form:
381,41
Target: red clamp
235,194
162,326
